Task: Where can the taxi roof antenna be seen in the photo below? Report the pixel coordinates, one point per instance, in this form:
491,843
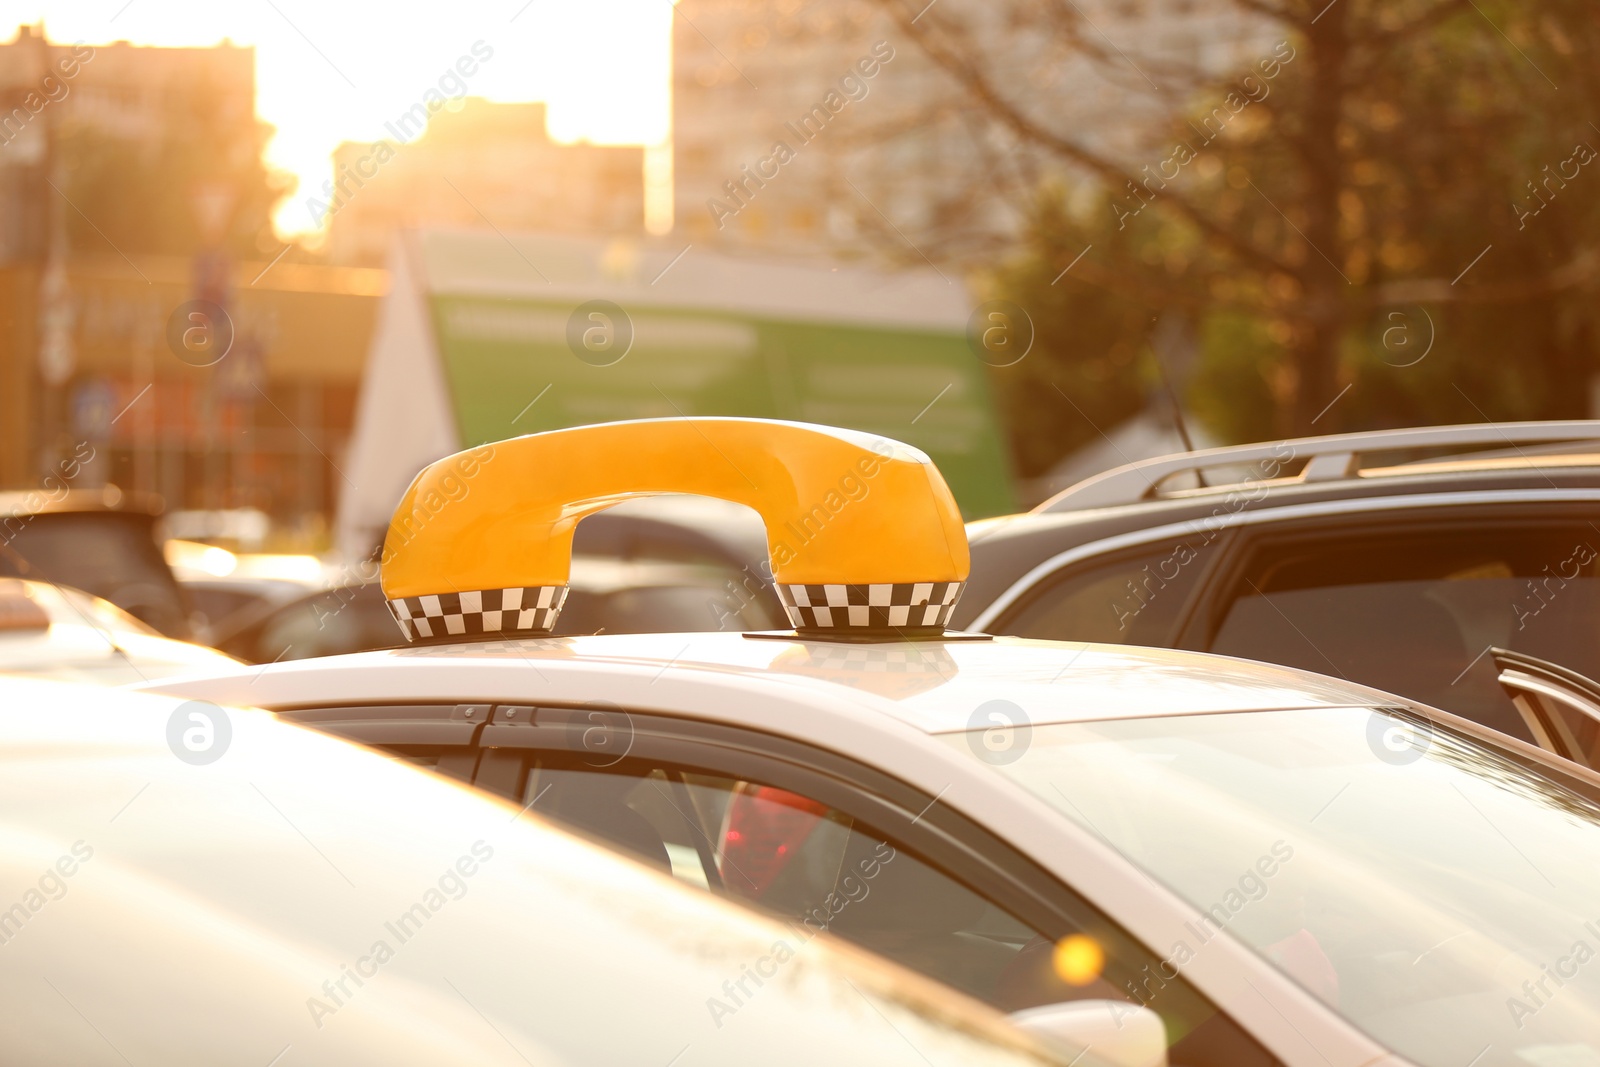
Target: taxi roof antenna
32,573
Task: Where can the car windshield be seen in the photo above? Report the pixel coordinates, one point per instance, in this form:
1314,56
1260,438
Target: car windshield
1438,894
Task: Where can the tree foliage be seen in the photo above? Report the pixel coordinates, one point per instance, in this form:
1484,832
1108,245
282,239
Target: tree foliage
1388,216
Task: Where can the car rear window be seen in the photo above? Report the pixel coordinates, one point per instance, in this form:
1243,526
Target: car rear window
111,555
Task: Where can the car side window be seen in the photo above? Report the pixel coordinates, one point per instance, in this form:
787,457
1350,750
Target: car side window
823,871
1413,611
1135,599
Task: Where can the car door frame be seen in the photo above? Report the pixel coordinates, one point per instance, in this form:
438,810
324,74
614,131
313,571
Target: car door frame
404,730
905,816
888,805
479,733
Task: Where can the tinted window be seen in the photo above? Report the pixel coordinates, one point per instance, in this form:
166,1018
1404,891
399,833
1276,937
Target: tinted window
111,555
1137,599
1412,613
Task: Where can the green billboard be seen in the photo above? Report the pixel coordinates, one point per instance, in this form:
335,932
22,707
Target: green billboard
532,333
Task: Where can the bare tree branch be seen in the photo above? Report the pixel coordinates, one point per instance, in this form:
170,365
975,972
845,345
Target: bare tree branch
985,93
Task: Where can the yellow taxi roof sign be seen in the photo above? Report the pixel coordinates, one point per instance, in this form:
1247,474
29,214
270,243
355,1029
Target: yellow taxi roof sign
862,531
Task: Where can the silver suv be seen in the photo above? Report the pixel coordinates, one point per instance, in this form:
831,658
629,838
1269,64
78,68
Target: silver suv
1396,559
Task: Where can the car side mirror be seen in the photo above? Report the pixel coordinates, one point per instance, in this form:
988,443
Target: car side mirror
1112,1032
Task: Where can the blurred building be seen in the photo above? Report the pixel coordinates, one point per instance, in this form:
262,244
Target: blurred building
746,77
120,93
481,164
131,184
265,427
901,149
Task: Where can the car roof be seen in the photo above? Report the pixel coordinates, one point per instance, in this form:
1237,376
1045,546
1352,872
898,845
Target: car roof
109,499
64,605
1339,460
234,890
65,633
938,686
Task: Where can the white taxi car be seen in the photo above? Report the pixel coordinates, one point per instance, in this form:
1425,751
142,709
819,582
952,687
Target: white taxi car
201,886
1284,868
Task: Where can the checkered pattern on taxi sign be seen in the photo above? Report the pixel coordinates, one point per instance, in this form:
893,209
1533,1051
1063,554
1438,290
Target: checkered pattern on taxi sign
514,612
881,606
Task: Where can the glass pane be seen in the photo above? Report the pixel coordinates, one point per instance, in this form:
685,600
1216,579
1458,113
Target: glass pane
1411,615
109,555
797,859
1437,894
1136,600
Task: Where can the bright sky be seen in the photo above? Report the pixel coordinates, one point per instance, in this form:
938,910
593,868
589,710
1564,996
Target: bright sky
336,70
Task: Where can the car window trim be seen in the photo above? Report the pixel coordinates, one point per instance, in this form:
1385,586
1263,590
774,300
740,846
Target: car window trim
388,724
1254,516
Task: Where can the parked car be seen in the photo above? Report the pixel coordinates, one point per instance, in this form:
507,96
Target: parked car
1311,553
103,541
223,586
195,885
1255,853
51,631
607,595
675,528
